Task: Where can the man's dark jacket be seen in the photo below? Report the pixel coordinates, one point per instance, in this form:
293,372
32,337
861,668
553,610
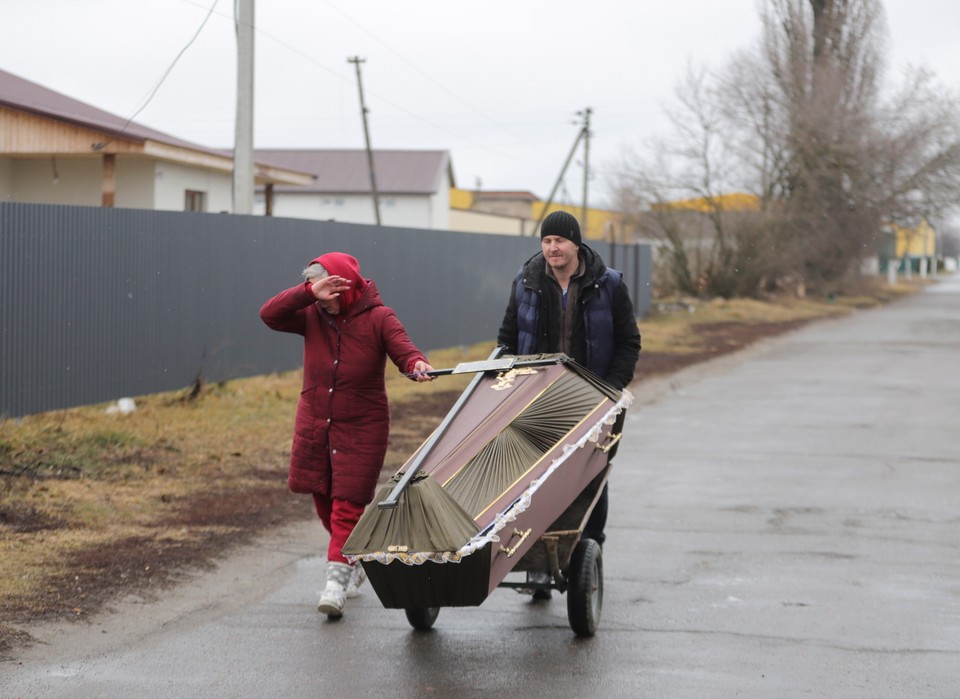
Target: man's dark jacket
613,348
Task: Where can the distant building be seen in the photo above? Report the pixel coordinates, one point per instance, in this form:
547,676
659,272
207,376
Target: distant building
58,150
471,214
519,212
909,250
516,203
735,201
413,186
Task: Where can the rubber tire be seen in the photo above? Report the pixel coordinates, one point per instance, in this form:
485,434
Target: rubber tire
422,618
585,594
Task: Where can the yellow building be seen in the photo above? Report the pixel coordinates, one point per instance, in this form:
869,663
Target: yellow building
908,249
919,241
518,212
737,201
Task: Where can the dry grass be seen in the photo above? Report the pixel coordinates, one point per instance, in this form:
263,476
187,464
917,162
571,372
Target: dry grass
75,481
676,325
672,328
93,504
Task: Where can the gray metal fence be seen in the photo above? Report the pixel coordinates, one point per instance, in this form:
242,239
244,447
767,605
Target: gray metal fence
98,304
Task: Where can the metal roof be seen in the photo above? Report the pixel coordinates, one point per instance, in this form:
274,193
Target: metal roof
23,95
345,171
503,195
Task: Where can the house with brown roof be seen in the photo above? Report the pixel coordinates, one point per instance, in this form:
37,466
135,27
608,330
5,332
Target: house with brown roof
412,186
57,150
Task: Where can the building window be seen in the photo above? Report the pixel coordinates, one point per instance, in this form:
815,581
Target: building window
195,201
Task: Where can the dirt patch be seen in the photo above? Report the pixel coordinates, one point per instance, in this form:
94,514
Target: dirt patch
25,519
717,339
202,529
411,422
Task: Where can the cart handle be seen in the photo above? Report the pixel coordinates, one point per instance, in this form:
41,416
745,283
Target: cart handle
483,366
513,549
614,438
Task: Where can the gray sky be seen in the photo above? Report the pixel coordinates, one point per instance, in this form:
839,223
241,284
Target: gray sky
497,83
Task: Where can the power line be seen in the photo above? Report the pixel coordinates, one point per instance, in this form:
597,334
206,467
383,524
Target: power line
460,137
170,68
582,134
421,71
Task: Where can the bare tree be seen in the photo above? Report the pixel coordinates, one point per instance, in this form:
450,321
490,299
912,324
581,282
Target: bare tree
801,122
641,195
950,241
823,65
917,151
704,246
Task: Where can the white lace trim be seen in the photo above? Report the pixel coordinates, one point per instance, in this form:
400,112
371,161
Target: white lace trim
518,506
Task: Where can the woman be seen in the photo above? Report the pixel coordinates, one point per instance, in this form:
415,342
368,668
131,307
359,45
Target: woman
343,419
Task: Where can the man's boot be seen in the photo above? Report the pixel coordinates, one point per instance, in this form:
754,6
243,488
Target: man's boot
334,595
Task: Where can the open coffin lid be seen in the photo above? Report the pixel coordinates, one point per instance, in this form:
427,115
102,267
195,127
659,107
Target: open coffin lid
520,446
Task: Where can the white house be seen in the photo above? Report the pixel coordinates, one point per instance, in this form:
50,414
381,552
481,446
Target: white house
58,150
413,186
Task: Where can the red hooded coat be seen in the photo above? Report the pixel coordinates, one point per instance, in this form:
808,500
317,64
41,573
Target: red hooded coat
343,419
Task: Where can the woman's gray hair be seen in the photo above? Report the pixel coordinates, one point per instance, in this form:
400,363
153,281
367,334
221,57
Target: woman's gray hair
315,271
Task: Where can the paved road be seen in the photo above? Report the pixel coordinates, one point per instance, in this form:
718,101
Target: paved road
786,523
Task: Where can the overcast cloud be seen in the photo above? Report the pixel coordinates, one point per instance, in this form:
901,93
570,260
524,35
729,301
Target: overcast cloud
497,83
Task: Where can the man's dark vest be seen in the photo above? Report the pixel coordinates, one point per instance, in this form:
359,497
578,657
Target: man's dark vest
597,320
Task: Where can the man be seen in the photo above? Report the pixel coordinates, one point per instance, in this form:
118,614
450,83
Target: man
565,299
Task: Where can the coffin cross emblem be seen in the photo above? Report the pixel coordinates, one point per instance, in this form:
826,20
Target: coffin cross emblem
505,379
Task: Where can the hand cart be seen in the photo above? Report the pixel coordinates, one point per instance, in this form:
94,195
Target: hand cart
505,484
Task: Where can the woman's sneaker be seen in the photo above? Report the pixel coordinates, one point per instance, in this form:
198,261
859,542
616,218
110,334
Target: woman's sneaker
332,599
334,595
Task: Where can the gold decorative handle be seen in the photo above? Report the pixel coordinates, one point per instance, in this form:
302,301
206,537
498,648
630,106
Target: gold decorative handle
614,438
523,537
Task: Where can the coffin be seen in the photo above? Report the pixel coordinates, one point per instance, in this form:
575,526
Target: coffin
523,451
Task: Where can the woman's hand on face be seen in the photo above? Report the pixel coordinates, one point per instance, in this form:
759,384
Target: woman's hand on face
420,370
329,288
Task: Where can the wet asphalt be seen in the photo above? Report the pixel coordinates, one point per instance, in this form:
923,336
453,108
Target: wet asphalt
784,522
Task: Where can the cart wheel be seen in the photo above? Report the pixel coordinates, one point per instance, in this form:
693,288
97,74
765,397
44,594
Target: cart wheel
585,594
422,618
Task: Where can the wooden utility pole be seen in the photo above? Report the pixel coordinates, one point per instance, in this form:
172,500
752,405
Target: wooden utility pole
586,166
356,60
243,135
584,132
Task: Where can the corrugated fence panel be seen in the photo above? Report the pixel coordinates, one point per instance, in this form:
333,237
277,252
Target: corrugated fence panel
97,304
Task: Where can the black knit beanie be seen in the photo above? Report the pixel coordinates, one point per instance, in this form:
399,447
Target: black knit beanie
562,224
